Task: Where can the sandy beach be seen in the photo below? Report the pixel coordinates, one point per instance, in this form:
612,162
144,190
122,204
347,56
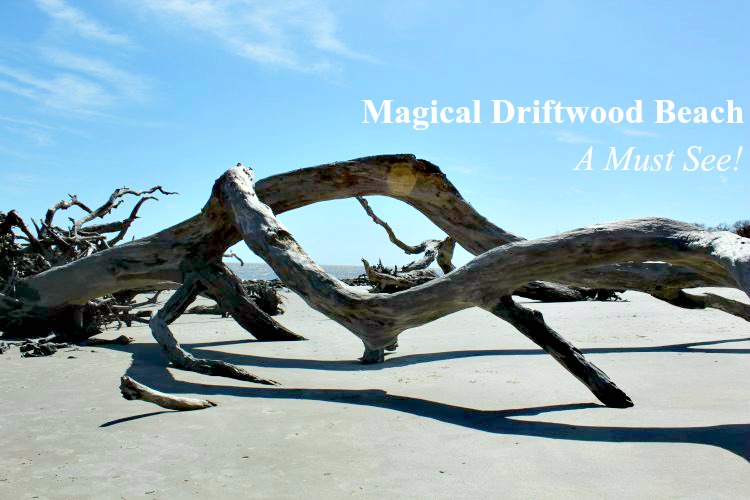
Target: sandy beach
466,408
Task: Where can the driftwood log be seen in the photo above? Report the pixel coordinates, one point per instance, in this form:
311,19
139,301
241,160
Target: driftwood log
654,255
133,390
23,253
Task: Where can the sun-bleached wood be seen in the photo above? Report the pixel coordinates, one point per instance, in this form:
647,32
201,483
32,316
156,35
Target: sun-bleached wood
596,255
132,390
378,319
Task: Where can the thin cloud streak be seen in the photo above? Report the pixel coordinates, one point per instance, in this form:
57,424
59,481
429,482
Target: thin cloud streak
573,138
630,132
297,35
62,91
80,22
35,124
127,84
78,84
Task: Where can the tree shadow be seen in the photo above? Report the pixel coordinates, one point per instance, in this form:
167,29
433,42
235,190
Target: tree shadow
201,349
133,417
148,366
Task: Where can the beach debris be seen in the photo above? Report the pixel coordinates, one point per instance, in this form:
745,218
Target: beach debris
121,340
212,309
37,348
264,294
132,390
653,255
545,291
25,253
383,280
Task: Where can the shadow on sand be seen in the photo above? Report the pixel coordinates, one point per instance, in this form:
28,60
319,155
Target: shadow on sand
148,367
202,349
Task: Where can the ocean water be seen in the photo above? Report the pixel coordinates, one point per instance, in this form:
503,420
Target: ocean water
261,271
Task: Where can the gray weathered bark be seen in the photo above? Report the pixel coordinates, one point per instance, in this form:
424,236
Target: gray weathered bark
133,390
591,255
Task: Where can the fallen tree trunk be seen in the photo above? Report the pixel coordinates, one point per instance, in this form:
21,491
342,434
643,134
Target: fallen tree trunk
184,252
378,319
159,258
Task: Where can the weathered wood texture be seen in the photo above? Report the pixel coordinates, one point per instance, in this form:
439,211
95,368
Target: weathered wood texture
133,390
599,256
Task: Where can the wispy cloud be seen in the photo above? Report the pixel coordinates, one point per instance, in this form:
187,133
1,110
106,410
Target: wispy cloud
75,83
35,124
28,123
17,182
5,151
573,138
80,22
63,91
631,132
62,80
298,35
37,137
126,84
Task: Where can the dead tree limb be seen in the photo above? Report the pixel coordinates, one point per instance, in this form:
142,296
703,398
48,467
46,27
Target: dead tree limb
54,246
64,205
378,319
234,211
132,390
430,248
232,255
390,283
113,202
531,323
442,250
178,356
227,290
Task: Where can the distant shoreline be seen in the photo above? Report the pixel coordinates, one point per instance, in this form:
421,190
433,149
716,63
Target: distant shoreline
262,271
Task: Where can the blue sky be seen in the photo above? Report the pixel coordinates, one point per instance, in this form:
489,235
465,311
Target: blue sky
97,95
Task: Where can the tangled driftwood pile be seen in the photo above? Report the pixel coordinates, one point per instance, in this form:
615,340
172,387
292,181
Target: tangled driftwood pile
657,256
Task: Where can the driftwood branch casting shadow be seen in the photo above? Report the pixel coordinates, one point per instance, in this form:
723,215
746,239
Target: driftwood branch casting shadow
731,437
412,359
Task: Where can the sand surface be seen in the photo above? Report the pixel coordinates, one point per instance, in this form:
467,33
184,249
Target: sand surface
467,408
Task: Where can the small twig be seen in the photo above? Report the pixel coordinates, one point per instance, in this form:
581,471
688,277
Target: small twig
232,255
114,202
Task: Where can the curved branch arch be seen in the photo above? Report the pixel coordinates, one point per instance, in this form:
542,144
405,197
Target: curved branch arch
183,252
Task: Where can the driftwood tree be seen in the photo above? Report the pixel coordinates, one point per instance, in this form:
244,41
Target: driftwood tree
24,252
658,256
